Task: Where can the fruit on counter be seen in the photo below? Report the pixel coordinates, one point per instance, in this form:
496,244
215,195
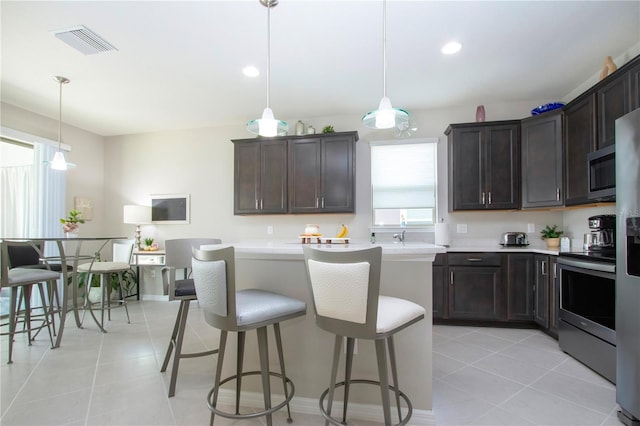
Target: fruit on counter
344,231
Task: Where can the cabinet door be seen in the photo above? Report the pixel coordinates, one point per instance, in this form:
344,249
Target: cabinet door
260,177
273,177
634,75
520,287
474,293
554,296
466,169
502,173
579,136
439,286
614,101
322,175
542,160
304,179
337,176
246,177
541,314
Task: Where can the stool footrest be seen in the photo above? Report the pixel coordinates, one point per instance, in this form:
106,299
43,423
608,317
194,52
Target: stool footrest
251,415
337,422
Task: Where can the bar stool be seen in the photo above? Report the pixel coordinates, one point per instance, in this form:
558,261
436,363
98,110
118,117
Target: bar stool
242,311
178,256
21,282
345,289
121,262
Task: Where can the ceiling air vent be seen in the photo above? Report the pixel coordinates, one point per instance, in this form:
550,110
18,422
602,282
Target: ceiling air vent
83,39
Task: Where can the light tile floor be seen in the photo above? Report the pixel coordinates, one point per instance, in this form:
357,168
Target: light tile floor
482,376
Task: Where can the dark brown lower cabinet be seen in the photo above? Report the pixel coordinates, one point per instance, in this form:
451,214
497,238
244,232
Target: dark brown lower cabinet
475,286
520,287
496,287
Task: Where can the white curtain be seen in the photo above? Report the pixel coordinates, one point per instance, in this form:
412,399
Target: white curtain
51,189
16,189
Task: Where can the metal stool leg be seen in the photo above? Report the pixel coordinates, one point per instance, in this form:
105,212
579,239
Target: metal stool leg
176,342
263,349
276,329
334,372
381,356
242,335
347,376
123,299
216,384
394,373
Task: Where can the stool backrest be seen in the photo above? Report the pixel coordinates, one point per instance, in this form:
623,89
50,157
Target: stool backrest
215,283
345,285
23,253
178,256
122,251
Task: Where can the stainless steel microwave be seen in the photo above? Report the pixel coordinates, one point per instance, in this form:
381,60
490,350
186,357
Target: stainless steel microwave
601,169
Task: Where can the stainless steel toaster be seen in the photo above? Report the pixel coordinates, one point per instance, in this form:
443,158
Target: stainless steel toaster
515,239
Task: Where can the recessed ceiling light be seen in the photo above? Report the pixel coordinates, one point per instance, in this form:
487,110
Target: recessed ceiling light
250,71
451,48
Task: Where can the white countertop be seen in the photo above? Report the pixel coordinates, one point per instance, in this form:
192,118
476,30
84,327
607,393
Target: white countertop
293,249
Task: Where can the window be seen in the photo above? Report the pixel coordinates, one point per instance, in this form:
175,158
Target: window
403,183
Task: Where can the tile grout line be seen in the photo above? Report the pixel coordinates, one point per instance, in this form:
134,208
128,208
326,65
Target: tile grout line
93,382
44,354
155,355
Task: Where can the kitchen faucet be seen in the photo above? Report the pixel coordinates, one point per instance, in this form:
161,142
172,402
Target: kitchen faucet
400,236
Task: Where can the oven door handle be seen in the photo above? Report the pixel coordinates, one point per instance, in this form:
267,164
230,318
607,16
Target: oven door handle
594,266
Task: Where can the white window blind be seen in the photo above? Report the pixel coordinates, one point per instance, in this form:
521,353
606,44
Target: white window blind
403,180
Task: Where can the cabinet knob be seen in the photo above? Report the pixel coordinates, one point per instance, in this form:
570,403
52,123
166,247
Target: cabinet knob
489,197
482,198
543,267
474,259
557,194
451,277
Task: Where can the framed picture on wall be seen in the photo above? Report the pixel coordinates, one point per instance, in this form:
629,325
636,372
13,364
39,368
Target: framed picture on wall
170,209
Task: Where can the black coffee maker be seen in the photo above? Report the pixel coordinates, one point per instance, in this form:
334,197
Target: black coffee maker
603,232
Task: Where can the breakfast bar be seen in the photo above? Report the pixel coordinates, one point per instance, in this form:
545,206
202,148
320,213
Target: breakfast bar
406,273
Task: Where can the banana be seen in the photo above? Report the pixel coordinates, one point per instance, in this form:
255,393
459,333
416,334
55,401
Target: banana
344,231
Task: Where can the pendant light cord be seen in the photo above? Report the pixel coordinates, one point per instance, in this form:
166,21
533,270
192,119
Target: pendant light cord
268,50
384,48
60,118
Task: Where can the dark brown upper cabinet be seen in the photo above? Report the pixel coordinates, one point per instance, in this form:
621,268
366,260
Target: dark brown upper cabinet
484,165
295,174
322,174
260,176
542,160
614,101
579,140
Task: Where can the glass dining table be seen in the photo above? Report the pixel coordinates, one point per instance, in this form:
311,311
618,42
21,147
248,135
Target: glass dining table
69,256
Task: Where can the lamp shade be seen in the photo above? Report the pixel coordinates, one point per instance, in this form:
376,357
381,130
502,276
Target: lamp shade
137,215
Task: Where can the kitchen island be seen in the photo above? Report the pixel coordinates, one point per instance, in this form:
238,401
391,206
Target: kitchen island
406,273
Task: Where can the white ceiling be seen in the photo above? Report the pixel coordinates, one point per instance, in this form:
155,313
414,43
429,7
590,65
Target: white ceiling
178,63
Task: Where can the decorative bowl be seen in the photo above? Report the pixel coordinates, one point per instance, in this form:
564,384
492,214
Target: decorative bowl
547,107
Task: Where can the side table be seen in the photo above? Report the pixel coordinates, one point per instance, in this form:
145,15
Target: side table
142,258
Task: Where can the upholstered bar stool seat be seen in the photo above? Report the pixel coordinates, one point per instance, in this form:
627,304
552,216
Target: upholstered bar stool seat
242,311
345,287
178,258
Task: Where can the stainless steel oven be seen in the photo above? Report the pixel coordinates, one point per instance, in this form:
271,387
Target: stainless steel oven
587,329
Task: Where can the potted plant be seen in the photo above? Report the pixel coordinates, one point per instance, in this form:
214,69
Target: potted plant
149,245
552,235
71,223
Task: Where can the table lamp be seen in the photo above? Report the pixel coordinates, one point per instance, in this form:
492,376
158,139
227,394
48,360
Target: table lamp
137,215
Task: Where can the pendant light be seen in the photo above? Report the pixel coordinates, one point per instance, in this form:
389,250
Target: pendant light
268,125
385,117
58,162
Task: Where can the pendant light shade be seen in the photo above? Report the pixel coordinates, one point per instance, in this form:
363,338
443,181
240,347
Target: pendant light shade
267,125
386,116
58,162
